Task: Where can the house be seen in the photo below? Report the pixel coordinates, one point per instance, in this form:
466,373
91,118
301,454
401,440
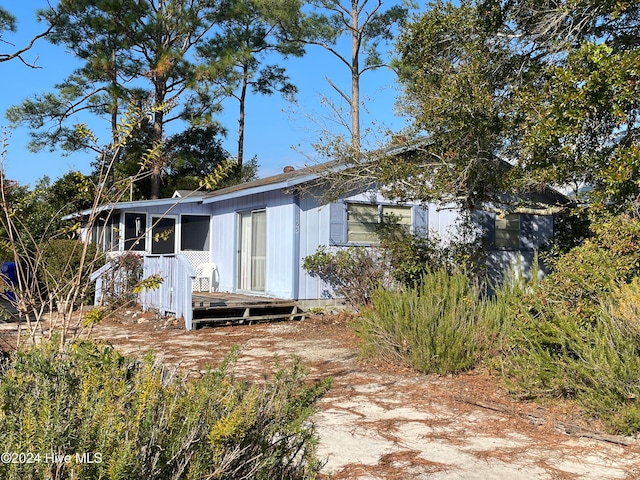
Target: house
258,233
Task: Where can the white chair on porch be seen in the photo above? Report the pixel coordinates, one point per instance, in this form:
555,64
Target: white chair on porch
207,271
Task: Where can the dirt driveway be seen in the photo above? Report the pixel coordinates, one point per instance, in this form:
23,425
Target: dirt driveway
381,422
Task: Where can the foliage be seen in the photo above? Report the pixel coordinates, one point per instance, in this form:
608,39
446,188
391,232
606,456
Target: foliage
352,272
410,255
234,56
130,52
548,352
138,420
63,264
581,126
442,325
513,95
575,334
457,73
585,276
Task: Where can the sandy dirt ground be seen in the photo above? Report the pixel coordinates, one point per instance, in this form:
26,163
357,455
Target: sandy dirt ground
384,422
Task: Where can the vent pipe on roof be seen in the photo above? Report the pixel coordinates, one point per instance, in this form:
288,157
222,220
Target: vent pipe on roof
288,169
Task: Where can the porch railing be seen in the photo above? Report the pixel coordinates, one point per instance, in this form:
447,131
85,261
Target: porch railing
174,294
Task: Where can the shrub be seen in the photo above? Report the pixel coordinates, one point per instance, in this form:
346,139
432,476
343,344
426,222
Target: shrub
585,276
137,420
441,326
62,260
410,255
595,363
352,272
118,288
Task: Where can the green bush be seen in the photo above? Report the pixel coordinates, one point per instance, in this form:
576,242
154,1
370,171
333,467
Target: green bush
352,272
595,363
441,326
572,340
585,276
137,420
62,260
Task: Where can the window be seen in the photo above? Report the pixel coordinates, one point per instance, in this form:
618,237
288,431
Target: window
508,231
163,235
363,220
105,232
135,226
401,216
194,233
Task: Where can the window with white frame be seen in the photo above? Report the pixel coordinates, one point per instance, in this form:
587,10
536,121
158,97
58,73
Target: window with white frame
194,232
363,220
507,231
135,226
163,235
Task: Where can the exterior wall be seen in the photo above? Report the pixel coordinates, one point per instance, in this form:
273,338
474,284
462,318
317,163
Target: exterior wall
280,242
297,225
326,224
314,231
536,231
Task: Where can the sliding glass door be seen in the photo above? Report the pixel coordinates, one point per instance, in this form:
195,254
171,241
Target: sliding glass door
252,251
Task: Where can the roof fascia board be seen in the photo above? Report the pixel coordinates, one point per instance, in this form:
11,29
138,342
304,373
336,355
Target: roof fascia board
134,204
261,189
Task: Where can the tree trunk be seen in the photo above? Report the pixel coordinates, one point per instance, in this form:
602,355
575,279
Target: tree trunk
157,160
355,78
243,97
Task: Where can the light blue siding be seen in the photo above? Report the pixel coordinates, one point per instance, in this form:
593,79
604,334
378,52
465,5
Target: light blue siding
280,249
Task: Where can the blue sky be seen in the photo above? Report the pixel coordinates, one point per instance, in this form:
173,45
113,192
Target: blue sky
277,132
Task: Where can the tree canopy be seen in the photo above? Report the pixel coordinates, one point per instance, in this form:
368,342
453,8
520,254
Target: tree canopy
507,96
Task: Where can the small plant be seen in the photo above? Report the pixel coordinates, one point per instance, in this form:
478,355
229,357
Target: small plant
442,325
122,280
134,419
352,272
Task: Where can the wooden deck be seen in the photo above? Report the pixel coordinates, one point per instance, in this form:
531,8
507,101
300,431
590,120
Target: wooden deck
216,309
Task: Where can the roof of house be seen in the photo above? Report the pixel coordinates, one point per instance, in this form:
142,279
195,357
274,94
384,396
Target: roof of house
188,193
169,202
286,179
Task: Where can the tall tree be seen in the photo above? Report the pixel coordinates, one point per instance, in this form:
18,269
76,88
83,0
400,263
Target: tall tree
196,154
366,25
132,51
249,32
8,24
511,95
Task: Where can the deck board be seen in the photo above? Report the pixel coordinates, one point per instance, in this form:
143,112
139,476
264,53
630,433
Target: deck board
233,308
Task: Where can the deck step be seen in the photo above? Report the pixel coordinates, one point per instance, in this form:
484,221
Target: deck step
246,320
244,313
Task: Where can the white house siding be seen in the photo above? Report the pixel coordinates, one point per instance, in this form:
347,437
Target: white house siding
280,231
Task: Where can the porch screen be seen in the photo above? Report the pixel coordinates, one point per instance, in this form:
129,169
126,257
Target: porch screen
194,233
135,227
163,235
